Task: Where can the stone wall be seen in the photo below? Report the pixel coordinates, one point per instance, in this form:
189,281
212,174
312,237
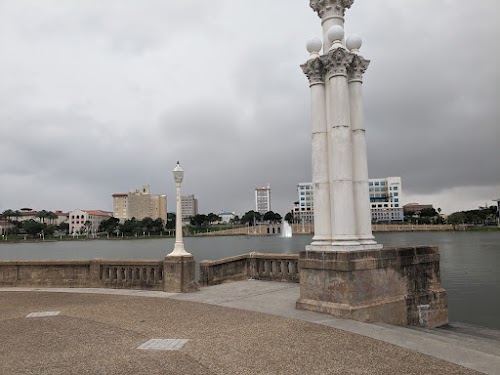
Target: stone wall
96,273
145,274
399,286
258,266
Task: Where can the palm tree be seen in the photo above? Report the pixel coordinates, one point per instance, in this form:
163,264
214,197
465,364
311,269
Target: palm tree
8,214
52,216
41,215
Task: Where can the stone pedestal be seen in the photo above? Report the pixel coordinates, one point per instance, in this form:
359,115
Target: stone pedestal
179,274
398,286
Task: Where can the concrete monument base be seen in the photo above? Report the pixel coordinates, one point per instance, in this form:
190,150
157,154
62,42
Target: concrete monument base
398,286
179,273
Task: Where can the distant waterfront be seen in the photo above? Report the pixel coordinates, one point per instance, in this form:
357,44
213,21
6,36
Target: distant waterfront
470,261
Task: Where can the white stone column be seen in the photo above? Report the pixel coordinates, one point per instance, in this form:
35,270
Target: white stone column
331,13
314,71
359,154
341,178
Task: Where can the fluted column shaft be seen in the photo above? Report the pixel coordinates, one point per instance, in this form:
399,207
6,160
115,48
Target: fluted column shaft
341,172
319,154
359,154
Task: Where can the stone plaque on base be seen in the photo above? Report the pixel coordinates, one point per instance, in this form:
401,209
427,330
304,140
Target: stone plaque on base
179,274
398,285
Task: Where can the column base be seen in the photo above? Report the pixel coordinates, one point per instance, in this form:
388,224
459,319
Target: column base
342,246
398,286
179,274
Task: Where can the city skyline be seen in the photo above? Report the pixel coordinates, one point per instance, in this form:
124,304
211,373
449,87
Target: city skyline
101,97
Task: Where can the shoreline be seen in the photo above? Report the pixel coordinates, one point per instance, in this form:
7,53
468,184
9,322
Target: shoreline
239,234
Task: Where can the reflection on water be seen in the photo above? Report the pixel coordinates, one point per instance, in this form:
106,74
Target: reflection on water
470,261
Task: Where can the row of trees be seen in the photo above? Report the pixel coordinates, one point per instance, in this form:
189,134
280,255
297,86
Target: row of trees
34,228
135,227
425,216
484,216
481,216
252,217
44,216
202,220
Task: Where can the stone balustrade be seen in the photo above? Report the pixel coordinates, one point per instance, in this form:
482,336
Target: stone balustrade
96,273
131,274
258,266
144,274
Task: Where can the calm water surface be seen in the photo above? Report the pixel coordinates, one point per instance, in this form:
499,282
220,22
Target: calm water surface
470,261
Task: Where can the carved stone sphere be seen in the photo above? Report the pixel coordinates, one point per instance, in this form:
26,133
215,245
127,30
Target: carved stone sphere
314,45
354,42
336,32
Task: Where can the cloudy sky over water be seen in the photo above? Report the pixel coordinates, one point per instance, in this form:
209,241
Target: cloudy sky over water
98,97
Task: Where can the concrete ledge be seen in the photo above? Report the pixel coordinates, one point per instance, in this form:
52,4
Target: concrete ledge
399,286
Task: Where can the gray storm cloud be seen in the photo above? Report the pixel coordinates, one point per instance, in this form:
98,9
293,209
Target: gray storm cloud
100,97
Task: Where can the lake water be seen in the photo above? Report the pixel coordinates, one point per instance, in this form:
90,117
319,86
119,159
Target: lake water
470,261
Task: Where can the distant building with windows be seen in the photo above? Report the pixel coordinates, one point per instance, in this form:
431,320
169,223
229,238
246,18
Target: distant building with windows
303,209
416,208
139,204
226,217
189,206
263,199
385,199
86,221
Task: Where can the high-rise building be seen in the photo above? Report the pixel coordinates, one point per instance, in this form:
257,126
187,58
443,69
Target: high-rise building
189,206
139,204
304,207
263,199
385,199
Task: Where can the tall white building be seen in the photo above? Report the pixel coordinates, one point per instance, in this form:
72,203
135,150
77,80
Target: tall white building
385,199
304,207
263,199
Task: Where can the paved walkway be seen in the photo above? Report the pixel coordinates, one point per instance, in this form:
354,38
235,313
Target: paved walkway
98,331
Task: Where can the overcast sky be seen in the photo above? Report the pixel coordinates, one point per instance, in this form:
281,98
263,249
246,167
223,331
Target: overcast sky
98,97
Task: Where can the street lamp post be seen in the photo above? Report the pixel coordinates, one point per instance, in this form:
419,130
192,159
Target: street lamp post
179,266
179,250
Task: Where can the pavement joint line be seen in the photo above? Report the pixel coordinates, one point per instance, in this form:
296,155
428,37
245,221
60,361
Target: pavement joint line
41,314
163,344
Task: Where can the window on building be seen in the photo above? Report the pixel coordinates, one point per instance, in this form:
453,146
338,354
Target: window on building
377,183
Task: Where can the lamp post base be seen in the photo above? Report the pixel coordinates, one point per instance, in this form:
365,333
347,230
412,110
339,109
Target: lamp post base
179,274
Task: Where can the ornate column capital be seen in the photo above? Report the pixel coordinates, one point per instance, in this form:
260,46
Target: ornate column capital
330,8
357,68
337,61
314,70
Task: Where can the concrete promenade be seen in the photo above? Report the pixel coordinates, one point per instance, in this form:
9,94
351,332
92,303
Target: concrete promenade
248,327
